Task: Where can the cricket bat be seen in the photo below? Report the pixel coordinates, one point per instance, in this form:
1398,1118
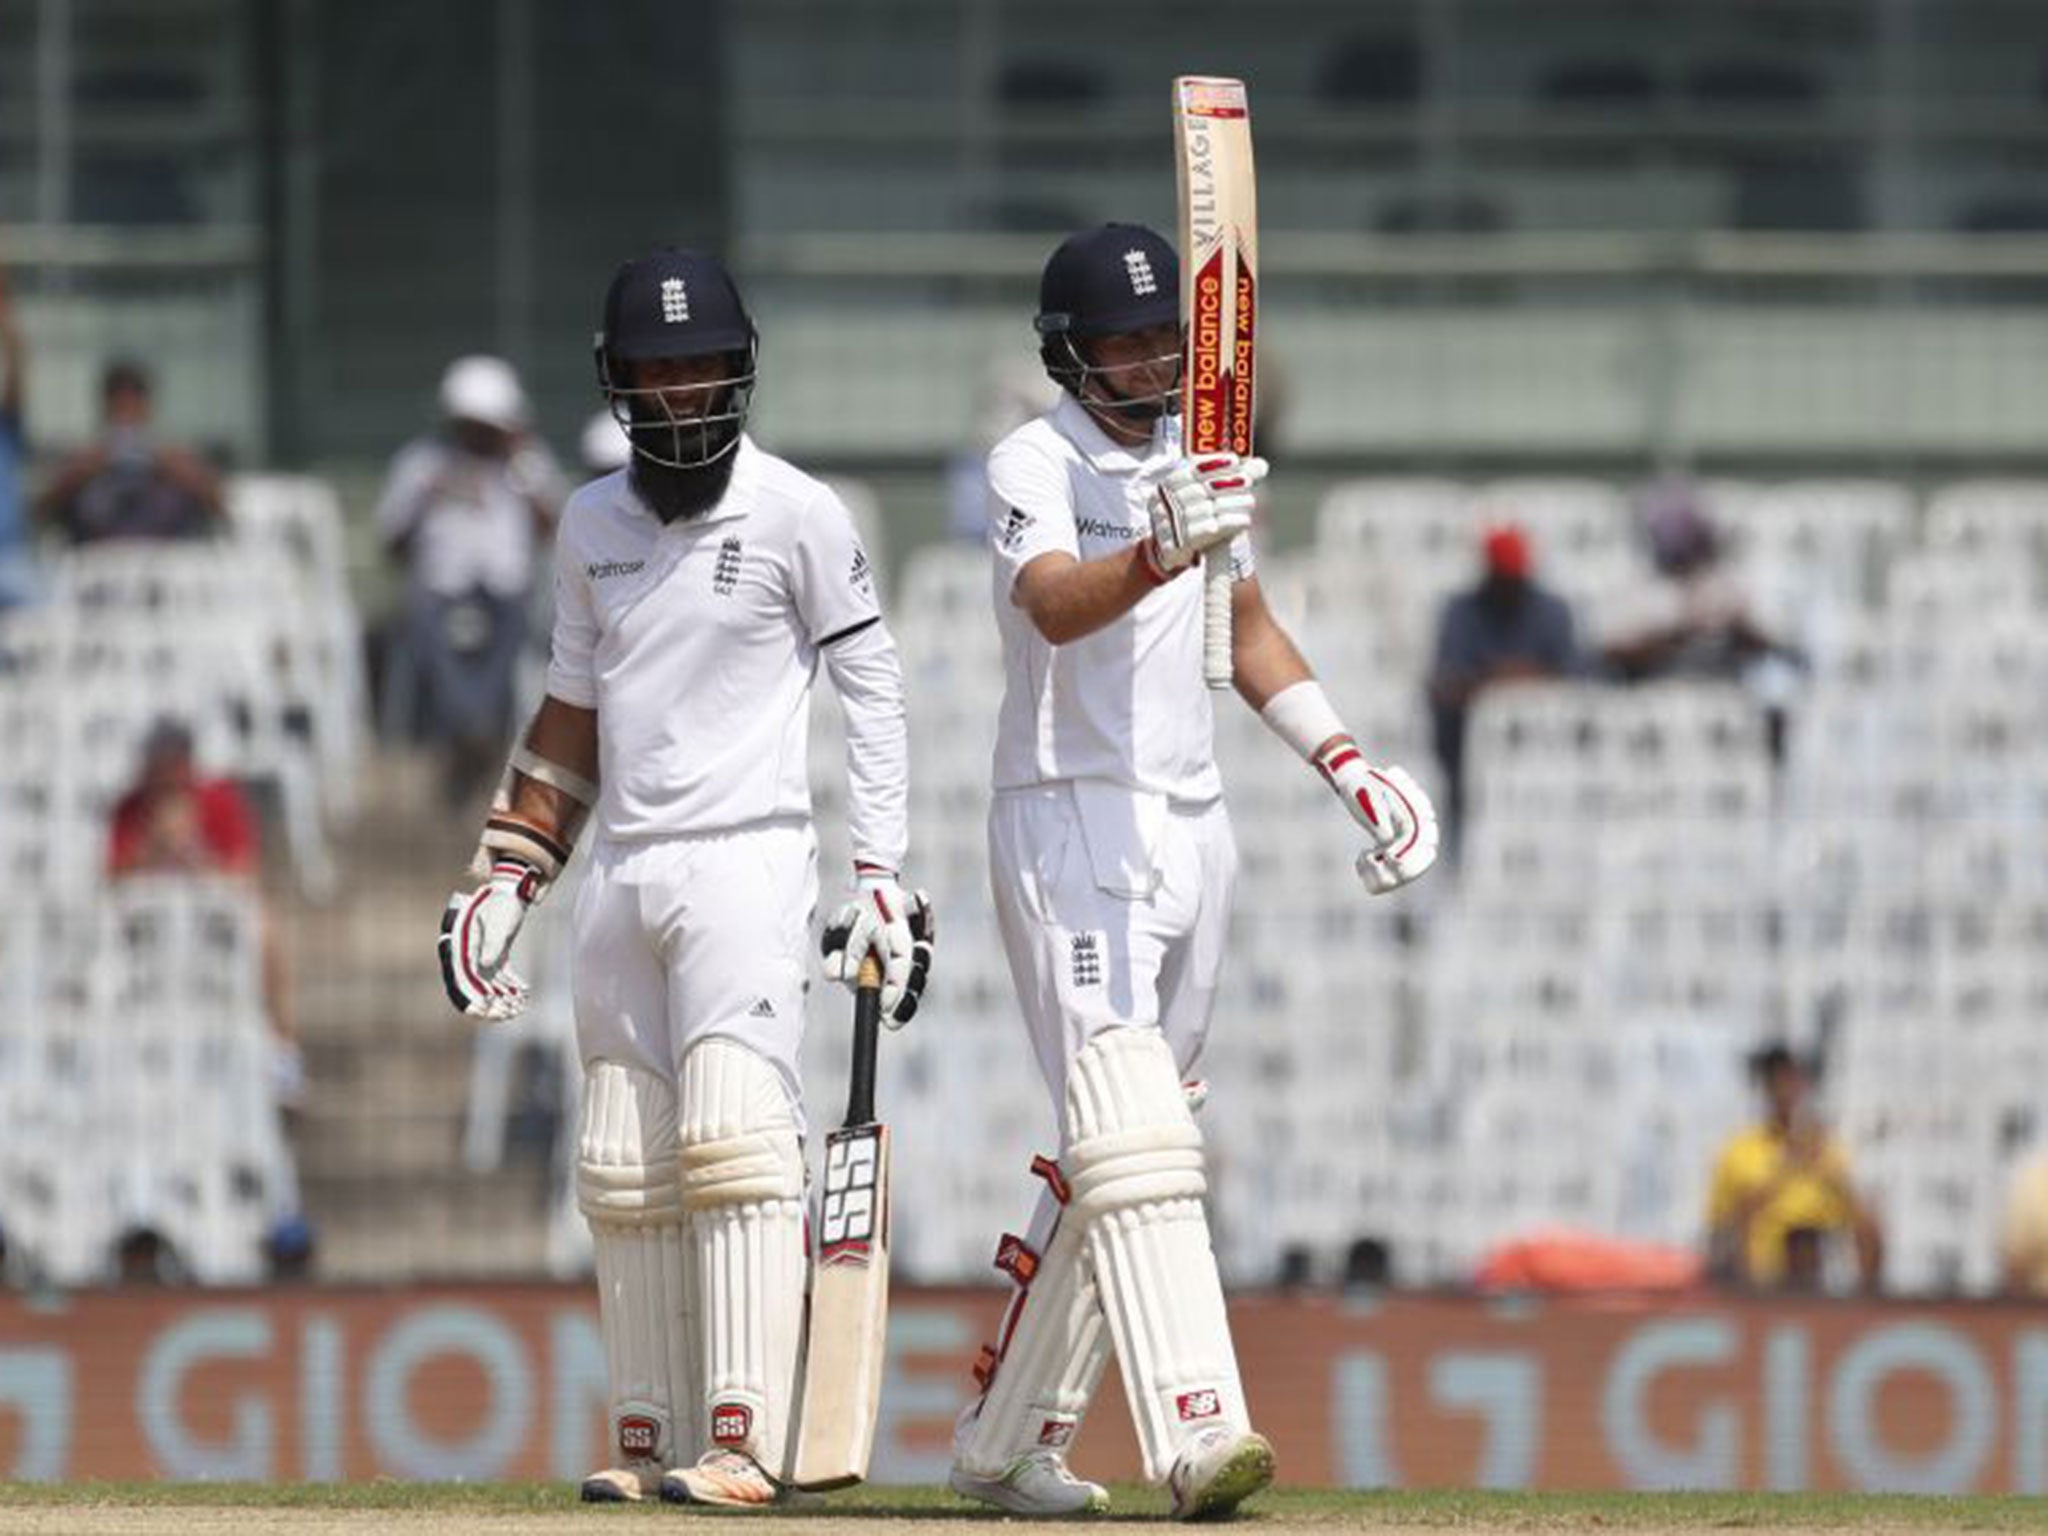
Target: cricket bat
847,1327
1219,303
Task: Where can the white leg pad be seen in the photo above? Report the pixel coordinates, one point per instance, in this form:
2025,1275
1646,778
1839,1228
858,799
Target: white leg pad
1134,1159
1040,1375
742,1181
626,1186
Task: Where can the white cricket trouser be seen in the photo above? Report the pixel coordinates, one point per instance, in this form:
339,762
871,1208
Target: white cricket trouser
685,938
1111,919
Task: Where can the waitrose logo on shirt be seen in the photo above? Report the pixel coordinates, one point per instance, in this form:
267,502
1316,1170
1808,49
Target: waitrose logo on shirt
1103,528
603,568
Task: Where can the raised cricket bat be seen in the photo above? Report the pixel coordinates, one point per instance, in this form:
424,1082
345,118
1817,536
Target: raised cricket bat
1219,303
849,1314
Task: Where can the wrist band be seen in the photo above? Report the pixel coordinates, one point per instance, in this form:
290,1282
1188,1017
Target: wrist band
1301,715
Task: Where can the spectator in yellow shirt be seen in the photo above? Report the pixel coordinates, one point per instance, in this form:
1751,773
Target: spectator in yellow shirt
1781,1189
2023,1236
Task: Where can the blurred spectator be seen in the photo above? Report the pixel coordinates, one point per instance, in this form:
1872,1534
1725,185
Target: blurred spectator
1782,1190
1507,627
467,509
1297,1268
175,820
16,568
129,485
2023,1234
143,1256
604,446
1693,619
1368,1265
289,1249
1563,1260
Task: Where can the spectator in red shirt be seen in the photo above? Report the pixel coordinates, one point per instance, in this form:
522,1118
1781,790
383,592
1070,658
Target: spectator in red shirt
173,819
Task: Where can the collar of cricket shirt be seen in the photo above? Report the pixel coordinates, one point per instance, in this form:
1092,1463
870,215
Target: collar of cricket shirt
1104,452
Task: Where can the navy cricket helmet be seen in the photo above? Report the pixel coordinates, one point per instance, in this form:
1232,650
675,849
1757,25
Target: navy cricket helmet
1107,281
674,304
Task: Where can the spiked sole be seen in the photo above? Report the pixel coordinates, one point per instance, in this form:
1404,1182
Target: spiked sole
1249,1469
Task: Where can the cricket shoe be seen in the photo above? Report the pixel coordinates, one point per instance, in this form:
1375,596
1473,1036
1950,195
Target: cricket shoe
1217,1470
629,1484
730,1479
1037,1483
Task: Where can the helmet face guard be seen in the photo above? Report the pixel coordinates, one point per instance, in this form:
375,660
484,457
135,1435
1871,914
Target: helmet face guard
1069,367
703,431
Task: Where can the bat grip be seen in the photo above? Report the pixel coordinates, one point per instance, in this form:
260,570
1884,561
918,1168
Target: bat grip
1216,655
870,972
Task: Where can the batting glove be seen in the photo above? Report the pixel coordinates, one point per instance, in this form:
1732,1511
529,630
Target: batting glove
1390,806
1197,505
477,930
899,927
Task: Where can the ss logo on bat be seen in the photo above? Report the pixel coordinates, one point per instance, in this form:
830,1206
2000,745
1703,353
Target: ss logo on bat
847,1212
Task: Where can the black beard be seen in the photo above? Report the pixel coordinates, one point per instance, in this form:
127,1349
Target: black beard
677,495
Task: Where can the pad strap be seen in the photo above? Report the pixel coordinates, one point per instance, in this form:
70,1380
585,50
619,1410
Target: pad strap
1040,1374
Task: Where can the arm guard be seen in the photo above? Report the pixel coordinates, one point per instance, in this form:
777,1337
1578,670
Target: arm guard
510,835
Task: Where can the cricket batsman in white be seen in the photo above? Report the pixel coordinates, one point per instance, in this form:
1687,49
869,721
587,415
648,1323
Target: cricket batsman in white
1112,863
697,590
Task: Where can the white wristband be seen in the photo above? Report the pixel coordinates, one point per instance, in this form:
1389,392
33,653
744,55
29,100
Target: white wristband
1301,716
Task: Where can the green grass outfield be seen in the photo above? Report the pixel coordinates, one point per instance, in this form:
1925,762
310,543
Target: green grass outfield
1333,1508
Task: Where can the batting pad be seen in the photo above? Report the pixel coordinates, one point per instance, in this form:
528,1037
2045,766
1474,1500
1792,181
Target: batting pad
742,1179
1040,1375
626,1187
1134,1159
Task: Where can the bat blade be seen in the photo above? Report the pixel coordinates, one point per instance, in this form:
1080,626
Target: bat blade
1219,252
848,1325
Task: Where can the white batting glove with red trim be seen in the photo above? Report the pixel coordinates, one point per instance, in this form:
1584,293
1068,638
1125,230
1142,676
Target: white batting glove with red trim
1197,505
1396,815
477,930
898,926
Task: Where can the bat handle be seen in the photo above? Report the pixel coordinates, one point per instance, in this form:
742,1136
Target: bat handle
870,977
1216,657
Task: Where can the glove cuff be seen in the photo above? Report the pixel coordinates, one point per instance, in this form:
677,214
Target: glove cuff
1148,563
527,882
866,876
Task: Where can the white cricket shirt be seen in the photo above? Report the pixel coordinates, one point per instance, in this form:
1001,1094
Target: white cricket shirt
1126,704
697,641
